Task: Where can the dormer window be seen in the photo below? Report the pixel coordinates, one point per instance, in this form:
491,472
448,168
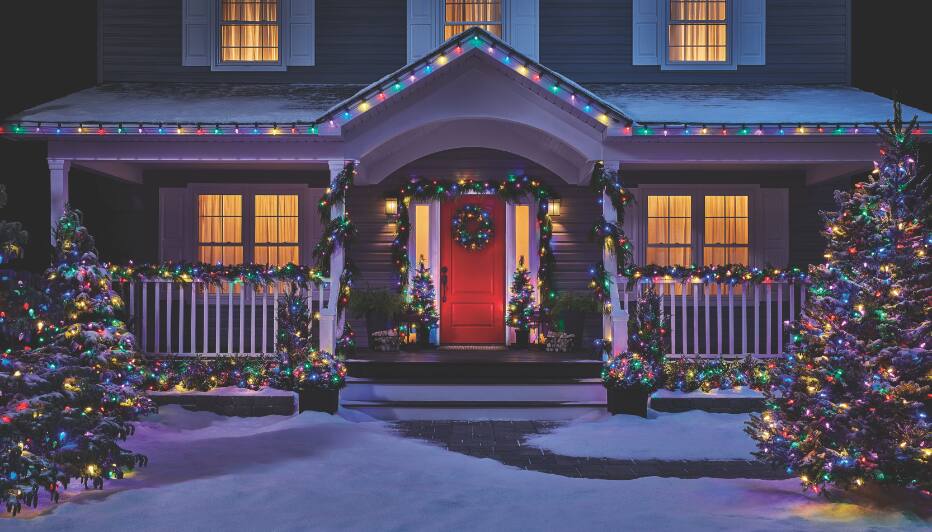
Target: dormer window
250,31
460,15
697,31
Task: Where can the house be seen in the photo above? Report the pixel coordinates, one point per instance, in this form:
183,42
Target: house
225,122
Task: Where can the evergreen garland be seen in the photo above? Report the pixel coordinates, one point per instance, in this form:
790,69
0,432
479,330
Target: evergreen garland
641,366
520,315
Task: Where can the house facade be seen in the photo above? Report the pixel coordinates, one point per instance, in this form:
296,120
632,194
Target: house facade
227,122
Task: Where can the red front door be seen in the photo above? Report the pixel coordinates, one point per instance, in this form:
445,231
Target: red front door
472,302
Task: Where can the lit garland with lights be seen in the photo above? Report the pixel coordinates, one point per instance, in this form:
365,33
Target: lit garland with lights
608,183
472,227
728,273
707,374
76,395
641,365
615,240
511,189
216,274
849,405
339,232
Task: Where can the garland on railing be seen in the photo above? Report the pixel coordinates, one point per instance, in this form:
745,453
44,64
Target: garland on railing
339,231
728,273
511,189
706,374
216,274
600,282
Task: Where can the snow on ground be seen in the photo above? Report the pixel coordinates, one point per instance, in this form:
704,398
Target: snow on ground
318,472
227,391
692,435
738,392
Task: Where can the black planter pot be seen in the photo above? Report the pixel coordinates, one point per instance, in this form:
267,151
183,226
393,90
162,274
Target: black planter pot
633,402
522,339
317,400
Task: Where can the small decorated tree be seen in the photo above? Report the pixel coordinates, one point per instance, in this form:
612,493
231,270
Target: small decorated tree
520,315
422,305
849,407
633,375
68,404
315,375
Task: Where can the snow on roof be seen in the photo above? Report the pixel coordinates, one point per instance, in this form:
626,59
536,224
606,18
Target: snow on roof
191,103
750,104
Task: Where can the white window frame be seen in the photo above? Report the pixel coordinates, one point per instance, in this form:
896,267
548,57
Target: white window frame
306,214
697,225
216,64
729,64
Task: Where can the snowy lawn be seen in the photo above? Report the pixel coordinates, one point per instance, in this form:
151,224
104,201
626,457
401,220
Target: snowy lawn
692,435
318,472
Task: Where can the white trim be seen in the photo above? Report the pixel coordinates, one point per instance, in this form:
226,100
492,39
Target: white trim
511,242
697,226
58,181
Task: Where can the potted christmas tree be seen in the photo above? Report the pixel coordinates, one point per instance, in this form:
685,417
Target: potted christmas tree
422,306
316,376
521,305
632,376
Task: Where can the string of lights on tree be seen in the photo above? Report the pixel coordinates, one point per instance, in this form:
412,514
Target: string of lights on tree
520,312
641,365
474,40
849,404
421,303
511,189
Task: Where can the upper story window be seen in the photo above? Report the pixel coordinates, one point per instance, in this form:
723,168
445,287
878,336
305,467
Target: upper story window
250,31
460,15
697,31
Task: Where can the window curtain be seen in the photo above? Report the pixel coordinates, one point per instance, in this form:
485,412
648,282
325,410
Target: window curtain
690,39
249,31
461,15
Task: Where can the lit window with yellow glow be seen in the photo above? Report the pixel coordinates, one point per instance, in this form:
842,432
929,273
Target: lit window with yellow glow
422,234
276,229
220,228
523,234
669,230
725,238
697,31
249,31
460,15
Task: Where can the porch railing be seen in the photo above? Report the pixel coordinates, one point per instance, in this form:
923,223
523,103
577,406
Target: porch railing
711,319
196,318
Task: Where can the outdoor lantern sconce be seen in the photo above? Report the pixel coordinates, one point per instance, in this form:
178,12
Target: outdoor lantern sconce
391,207
553,207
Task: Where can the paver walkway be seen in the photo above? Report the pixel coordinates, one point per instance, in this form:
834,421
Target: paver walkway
504,441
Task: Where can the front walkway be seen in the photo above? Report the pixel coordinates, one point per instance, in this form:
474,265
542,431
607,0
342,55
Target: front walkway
504,441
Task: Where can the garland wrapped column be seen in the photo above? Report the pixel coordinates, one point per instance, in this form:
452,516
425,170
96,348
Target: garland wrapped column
330,251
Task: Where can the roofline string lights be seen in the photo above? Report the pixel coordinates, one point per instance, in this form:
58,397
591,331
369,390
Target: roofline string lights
556,86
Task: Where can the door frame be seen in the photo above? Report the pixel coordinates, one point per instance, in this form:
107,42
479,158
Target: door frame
434,236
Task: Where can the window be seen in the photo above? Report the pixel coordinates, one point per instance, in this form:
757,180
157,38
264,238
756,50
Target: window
220,228
669,230
697,31
276,229
725,238
460,15
673,239
250,31
227,221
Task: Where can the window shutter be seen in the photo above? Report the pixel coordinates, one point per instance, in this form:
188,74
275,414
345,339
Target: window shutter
195,39
751,29
523,27
423,27
774,227
632,225
300,21
173,240
645,49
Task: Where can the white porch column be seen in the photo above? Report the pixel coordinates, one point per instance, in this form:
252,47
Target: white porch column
615,324
330,326
58,178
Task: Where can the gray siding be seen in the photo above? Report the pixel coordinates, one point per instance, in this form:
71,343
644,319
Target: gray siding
357,42
590,41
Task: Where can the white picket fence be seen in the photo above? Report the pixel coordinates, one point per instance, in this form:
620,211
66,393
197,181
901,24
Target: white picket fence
193,318
713,319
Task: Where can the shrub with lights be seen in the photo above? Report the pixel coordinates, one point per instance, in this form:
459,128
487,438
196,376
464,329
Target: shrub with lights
632,376
520,315
849,406
68,404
